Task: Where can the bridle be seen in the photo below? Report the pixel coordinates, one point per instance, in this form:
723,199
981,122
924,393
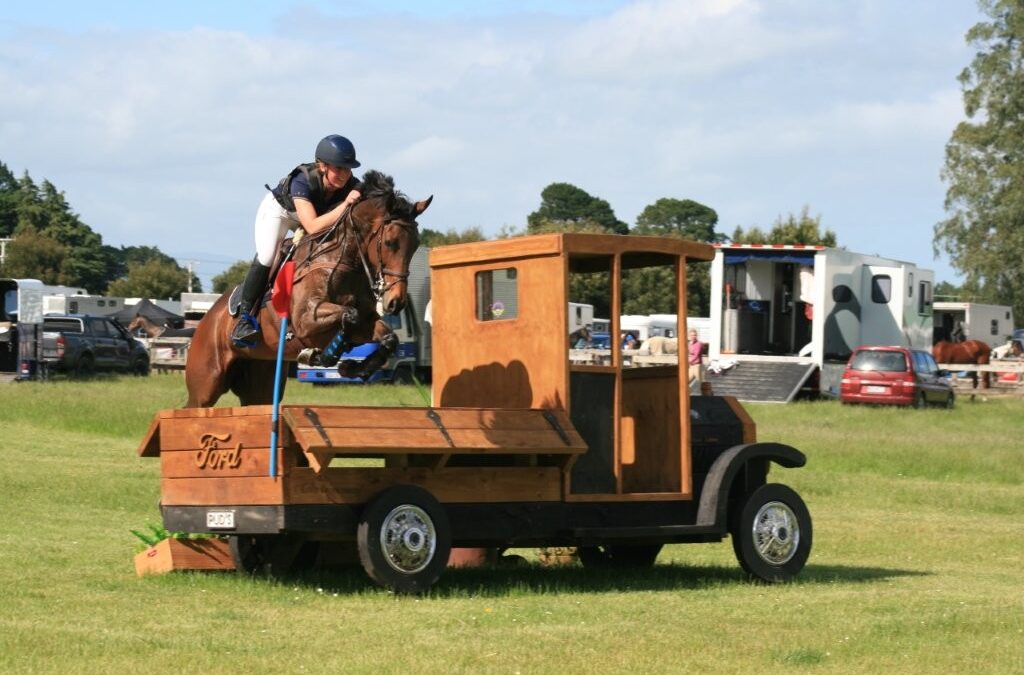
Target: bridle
326,241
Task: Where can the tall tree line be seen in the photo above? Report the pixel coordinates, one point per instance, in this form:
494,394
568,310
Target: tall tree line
52,244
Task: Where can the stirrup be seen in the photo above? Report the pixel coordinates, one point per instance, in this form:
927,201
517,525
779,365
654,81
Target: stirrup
246,332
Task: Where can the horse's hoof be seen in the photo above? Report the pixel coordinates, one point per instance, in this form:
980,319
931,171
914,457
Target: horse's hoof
350,368
310,356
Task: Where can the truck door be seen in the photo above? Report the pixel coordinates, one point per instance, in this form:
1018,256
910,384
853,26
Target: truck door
103,342
881,314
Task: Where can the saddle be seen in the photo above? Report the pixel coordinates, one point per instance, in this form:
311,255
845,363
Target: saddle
284,252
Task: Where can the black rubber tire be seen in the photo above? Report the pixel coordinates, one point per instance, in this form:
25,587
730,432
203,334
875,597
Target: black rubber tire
748,530
249,552
950,401
402,376
85,366
619,555
394,529
920,401
140,367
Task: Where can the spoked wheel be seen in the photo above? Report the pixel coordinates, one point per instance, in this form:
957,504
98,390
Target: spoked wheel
771,535
619,555
404,539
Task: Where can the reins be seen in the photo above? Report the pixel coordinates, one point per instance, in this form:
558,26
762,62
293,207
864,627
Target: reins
325,242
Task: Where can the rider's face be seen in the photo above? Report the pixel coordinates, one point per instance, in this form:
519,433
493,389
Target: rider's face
335,176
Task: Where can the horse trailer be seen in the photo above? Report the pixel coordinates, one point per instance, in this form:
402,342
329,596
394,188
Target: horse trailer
992,324
520,446
787,317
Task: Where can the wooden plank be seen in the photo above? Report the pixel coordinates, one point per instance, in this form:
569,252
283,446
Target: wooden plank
212,463
184,554
450,485
237,411
416,418
150,445
221,491
191,434
432,441
496,250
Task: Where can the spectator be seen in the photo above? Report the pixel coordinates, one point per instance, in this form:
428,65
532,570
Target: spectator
694,349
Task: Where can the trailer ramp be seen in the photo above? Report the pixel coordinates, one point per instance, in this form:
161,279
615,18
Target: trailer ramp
767,381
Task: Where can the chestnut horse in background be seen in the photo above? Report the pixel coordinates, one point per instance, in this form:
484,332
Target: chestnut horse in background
342,277
971,352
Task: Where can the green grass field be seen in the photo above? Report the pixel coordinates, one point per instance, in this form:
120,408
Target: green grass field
916,566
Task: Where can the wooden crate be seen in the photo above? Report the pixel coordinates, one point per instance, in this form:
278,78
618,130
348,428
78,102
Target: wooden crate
184,554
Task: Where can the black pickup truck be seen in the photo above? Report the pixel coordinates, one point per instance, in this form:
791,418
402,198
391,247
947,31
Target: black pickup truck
83,345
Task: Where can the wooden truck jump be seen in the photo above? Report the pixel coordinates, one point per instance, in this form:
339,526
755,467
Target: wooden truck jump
520,447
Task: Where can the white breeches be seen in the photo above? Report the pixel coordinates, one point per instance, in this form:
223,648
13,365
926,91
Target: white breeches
272,223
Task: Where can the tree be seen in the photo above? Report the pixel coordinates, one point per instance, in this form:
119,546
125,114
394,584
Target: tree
564,205
680,218
984,166
152,279
431,238
231,277
652,290
35,256
803,229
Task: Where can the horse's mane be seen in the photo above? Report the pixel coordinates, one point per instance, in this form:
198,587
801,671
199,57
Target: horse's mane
380,187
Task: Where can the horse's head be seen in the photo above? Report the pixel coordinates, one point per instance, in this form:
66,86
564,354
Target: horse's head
387,223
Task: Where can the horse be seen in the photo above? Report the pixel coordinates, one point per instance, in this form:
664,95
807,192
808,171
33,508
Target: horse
581,336
345,278
660,344
973,352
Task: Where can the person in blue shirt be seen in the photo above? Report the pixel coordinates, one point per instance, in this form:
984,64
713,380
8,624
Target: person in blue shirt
312,197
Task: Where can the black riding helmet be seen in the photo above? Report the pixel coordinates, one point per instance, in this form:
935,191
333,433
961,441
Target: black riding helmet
337,151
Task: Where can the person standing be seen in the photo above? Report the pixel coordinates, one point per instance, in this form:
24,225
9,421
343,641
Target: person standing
694,350
312,196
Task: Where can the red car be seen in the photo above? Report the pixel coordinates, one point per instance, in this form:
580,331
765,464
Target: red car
895,376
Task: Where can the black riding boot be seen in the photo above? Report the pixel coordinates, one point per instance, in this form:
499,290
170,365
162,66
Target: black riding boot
247,331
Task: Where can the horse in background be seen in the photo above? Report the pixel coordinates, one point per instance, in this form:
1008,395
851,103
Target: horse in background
971,352
581,338
659,344
345,278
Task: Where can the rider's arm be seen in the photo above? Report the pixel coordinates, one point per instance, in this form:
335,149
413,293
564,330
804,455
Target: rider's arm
313,223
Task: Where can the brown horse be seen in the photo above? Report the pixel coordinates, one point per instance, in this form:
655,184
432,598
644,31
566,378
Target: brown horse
971,352
342,277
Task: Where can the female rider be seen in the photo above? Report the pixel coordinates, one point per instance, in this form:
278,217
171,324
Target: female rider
312,196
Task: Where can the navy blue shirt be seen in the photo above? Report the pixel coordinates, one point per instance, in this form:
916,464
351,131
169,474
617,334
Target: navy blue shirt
299,188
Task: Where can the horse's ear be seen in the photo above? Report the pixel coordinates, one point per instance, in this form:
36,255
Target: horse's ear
422,206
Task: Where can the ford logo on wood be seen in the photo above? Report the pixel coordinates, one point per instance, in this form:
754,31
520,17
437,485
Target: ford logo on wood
212,456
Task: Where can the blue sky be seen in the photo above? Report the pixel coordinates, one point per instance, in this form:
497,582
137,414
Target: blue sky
161,122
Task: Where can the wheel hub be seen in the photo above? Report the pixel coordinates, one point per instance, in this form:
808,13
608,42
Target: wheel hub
776,533
408,539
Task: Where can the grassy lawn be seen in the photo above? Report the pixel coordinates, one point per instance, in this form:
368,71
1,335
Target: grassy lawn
916,565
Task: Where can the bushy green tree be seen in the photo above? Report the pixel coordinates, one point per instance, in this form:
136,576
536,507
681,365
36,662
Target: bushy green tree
431,238
231,277
564,205
35,256
679,218
791,229
984,167
151,279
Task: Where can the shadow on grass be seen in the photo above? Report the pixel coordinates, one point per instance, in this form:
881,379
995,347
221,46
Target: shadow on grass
531,578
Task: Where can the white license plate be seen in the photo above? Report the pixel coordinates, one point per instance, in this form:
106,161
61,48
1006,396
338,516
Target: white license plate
220,520
875,389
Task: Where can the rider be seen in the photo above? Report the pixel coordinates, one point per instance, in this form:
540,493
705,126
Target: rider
312,196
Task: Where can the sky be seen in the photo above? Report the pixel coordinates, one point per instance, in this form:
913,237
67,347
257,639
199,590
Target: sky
162,122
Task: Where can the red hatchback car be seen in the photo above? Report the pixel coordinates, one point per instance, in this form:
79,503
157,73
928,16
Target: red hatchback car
895,376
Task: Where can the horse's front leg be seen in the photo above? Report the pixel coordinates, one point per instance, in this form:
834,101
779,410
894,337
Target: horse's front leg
325,324
387,344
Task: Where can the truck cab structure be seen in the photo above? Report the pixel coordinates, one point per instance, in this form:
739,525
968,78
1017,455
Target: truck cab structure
787,317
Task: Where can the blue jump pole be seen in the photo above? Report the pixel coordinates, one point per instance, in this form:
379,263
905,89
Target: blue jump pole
277,396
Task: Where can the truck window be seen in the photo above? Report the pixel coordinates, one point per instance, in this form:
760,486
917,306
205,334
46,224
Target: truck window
881,288
63,325
497,295
924,297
